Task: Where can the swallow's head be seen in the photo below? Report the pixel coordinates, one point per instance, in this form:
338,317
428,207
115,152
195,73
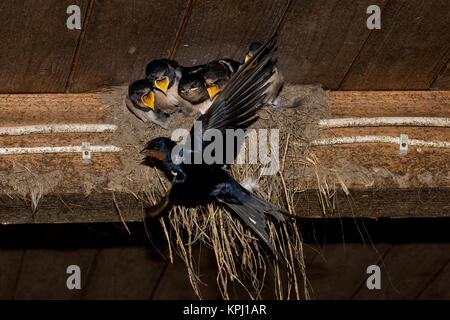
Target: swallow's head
161,74
158,149
251,52
141,94
192,88
216,76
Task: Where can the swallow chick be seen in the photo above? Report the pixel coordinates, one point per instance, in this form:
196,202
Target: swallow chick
217,73
141,102
200,86
193,90
165,75
275,82
199,182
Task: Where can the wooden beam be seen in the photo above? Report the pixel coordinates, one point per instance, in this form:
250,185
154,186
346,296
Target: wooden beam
407,52
210,32
407,269
41,60
363,179
43,273
121,39
321,39
442,81
127,272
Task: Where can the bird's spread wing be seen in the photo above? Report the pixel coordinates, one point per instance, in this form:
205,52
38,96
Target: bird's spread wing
237,105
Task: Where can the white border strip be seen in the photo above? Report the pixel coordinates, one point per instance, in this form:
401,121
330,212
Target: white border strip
63,149
379,139
56,128
384,121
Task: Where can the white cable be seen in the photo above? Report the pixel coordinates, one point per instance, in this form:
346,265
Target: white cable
378,139
63,149
384,121
56,128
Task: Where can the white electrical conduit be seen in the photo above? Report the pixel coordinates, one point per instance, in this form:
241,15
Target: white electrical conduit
64,149
378,139
384,121
56,128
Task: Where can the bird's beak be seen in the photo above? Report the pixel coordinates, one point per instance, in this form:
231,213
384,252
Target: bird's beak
212,91
146,148
162,84
149,100
247,57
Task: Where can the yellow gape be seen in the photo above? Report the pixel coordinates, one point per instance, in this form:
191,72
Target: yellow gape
149,100
162,84
254,63
212,91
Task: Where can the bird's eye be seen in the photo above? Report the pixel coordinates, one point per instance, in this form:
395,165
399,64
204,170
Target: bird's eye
157,146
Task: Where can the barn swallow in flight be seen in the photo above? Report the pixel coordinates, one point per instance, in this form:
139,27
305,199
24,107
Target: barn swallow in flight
276,81
141,102
193,183
200,86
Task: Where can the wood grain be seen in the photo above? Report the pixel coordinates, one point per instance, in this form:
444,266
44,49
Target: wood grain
442,81
37,48
43,274
394,203
218,29
10,267
175,282
123,273
320,40
407,269
407,52
347,104
29,109
122,38
438,287
340,268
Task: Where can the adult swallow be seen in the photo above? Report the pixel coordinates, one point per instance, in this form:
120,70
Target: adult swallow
141,102
275,82
199,182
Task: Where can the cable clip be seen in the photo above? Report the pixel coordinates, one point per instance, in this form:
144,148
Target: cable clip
86,152
403,144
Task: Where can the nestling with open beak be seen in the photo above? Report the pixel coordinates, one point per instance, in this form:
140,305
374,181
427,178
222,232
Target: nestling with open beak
141,102
275,82
217,73
164,75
